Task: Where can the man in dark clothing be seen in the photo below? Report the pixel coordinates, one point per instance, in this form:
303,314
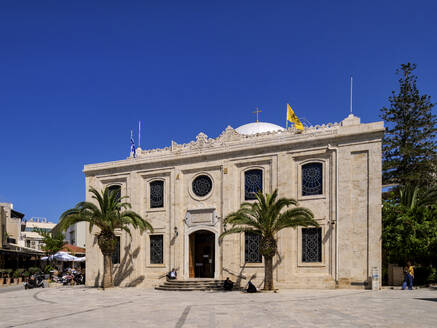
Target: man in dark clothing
228,284
251,287
172,274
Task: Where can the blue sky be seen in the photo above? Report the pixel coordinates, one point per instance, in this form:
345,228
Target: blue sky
76,76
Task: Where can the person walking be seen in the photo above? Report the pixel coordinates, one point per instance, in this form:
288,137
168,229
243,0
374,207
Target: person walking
408,276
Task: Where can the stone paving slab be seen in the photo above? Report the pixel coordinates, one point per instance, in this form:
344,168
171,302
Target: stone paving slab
134,307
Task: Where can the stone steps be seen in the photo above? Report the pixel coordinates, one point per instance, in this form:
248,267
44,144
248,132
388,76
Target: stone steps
191,285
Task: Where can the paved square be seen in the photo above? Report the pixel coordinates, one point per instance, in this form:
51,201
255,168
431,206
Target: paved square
134,307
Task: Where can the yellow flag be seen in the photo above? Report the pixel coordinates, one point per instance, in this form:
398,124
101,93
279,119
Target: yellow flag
291,117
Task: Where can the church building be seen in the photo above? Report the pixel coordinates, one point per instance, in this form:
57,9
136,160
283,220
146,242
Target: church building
186,191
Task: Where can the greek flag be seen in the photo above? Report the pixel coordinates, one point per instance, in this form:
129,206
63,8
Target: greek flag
132,144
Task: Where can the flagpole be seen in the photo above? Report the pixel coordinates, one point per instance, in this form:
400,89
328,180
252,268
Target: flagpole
139,134
132,144
286,118
351,95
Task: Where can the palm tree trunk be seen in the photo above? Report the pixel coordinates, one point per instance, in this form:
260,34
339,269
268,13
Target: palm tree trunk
268,273
107,271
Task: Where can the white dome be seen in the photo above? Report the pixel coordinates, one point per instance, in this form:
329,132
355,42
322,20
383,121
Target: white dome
258,127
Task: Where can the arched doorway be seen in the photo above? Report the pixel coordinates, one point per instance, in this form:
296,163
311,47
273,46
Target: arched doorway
202,254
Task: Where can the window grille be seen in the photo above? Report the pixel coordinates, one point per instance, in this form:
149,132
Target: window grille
156,194
116,254
156,249
202,185
312,179
253,182
251,248
116,189
312,245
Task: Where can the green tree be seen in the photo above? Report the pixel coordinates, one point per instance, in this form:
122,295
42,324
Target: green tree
409,146
110,214
266,218
410,227
53,242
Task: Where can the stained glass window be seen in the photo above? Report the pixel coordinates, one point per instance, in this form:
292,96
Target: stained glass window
202,185
156,249
156,194
251,248
312,177
311,245
253,182
116,254
116,189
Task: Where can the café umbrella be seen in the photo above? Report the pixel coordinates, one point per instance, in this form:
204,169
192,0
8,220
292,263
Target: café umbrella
63,257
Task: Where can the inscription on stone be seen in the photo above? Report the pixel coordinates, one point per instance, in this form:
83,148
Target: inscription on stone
197,217
201,217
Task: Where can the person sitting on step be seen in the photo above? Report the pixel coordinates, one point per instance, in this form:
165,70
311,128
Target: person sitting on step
251,287
172,274
228,284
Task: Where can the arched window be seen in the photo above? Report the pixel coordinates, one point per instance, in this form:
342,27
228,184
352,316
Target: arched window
312,179
251,248
156,249
253,182
311,245
116,189
156,194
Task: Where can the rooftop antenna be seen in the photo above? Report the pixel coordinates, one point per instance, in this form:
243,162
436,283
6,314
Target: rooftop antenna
351,95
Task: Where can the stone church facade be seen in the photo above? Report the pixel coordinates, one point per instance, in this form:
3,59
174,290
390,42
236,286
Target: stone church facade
186,190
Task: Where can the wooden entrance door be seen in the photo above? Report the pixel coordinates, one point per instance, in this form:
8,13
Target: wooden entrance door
202,254
191,255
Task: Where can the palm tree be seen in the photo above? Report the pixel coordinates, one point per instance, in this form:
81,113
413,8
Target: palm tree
266,218
412,196
110,214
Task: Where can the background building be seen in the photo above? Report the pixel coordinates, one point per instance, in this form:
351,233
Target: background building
13,253
10,224
31,237
186,191
75,234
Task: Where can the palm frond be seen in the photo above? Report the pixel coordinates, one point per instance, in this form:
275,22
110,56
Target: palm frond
108,215
238,230
238,220
292,218
267,215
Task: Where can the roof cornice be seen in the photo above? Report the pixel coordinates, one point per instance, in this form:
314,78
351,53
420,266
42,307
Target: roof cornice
231,141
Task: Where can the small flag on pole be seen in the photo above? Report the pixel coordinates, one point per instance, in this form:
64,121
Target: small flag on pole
132,144
291,117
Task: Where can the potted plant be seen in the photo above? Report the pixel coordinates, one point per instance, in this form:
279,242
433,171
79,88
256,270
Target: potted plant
15,276
34,270
26,275
19,273
48,268
8,276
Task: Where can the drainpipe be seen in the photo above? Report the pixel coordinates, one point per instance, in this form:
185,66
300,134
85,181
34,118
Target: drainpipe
331,148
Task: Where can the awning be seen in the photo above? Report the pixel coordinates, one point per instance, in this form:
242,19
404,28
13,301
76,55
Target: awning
14,248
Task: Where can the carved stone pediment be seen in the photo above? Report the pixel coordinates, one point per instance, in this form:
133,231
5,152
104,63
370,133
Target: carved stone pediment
229,134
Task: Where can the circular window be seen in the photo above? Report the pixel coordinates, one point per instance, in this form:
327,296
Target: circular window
202,185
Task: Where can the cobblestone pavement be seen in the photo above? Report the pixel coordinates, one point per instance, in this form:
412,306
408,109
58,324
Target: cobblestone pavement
134,307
